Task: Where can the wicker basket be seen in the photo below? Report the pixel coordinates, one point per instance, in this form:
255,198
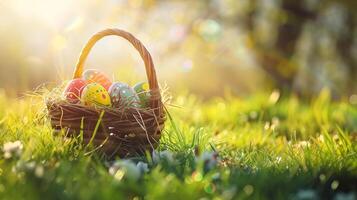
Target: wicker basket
123,132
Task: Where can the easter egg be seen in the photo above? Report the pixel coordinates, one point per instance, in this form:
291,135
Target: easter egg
122,94
143,91
74,89
95,76
95,94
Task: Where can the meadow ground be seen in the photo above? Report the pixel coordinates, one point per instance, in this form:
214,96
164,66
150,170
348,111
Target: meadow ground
260,147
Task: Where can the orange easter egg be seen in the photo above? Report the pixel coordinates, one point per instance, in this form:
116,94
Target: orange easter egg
95,76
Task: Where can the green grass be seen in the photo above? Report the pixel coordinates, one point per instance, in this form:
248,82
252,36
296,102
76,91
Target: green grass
268,148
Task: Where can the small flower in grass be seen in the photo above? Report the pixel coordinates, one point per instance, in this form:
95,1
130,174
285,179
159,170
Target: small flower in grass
125,169
30,167
345,196
39,171
12,149
302,144
267,126
143,167
305,194
278,159
208,159
321,138
165,156
274,123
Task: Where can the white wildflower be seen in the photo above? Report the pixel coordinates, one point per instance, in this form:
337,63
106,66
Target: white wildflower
302,144
209,160
143,167
267,126
274,123
30,166
306,194
125,169
12,149
39,171
345,196
163,155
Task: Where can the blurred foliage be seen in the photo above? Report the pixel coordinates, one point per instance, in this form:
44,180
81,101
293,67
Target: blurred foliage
207,47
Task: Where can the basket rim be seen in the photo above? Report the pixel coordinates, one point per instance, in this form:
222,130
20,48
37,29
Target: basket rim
109,110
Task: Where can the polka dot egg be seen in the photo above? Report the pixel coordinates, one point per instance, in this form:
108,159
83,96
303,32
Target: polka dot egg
95,94
122,94
95,76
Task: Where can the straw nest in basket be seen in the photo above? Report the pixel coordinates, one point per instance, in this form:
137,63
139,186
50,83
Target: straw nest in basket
123,129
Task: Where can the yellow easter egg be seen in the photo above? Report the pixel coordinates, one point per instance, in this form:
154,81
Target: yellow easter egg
95,94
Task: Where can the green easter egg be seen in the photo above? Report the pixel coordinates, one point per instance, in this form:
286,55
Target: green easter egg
143,91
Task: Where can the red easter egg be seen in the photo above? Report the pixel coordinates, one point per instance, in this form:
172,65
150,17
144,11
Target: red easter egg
74,90
95,76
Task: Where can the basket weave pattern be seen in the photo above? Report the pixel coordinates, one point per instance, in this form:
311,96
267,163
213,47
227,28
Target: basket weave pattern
118,131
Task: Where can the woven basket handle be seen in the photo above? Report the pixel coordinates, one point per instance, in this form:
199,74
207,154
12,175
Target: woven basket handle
144,53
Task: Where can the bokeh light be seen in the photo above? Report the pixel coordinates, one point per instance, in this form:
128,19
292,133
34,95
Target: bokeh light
205,47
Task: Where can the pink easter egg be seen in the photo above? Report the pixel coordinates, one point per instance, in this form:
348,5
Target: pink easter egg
74,90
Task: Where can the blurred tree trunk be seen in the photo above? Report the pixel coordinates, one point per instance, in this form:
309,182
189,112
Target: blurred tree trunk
345,45
276,60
